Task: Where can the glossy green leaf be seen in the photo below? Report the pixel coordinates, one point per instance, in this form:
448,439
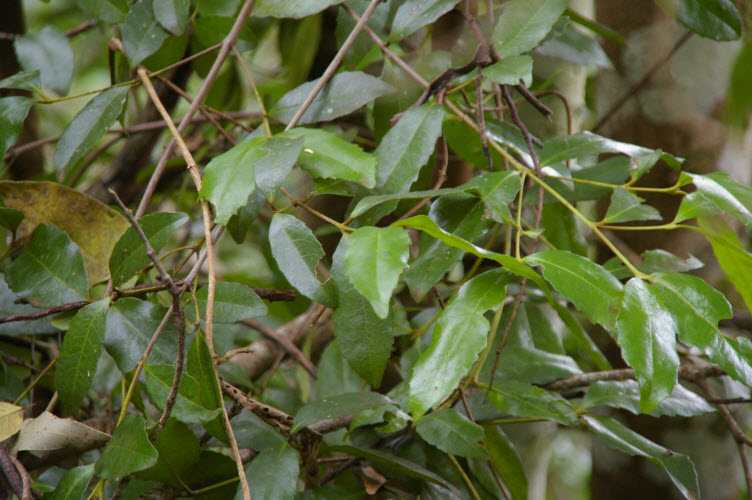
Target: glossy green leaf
509,135
73,484
338,406
647,337
326,155
497,190
79,356
716,19
240,223
290,8
717,193
398,464
466,143
524,23
511,71
298,252
335,376
407,147
367,203
626,206
50,271
130,325
535,365
459,336
506,461
128,451
142,33
232,302
344,93
625,394
229,178
660,260
129,255
200,366
111,11
10,304
23,80
452,433
13,111
179,451
49,51
374,261
10,218
272,170
575,47
679,467
172,14
414,14
188,407
592,289
523,400
273,474
88,126
364,338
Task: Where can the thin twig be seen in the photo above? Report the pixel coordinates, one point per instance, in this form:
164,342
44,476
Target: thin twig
687,372
25,478
284,342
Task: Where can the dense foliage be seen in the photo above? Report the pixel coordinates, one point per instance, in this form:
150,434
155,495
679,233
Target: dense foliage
355,270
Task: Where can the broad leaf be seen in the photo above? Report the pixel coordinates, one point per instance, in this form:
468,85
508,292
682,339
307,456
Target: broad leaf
273,474
511,71
179,452
111,11
374,261
128,451
497,190
89,125
172,14
717,193
50,271
575,47
11,418
364,338
290,8
452,433
367,203
716,19
232,302
625,394
13,111
298,252
200,366
73,484
11,304
48,51
337,406
142,33
23,80
535,365
524,23
188,405
272,170
626,206
458,337
523,400
129,255
343,94
647,337
679,467
48,432
414,14
592,289
79,356
326,155
10,218
506,461
738,102
334,375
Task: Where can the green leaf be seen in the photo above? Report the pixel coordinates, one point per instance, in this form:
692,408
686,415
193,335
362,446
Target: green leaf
273,474
212,29
338,406
414,14
10,304
325,155
10,218
179,452
506,461
647,337
297,253
364,338
128,451
374,261
716,19
13,111
50,271
200,366
367,203
343,94
232,302
88,126
229,178
717,193
535,365
188,407
49,51
290,8
272,170
625,394
240,223
497,190
23,80
142,33
575,47
626,206
511,71
79,356
523,400
129,255
679,467
73,484
591,289
110,11
459,336
172,14
524,23
335,376
738,101
452,433
407,147
398,464
130,325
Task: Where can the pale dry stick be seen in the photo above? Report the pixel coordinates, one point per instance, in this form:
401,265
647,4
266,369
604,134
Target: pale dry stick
284,342
206,215
224,50
334,64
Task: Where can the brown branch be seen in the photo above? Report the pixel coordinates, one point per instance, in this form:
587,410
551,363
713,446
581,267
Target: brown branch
687,372
272,416
25,478
284,342
10,473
